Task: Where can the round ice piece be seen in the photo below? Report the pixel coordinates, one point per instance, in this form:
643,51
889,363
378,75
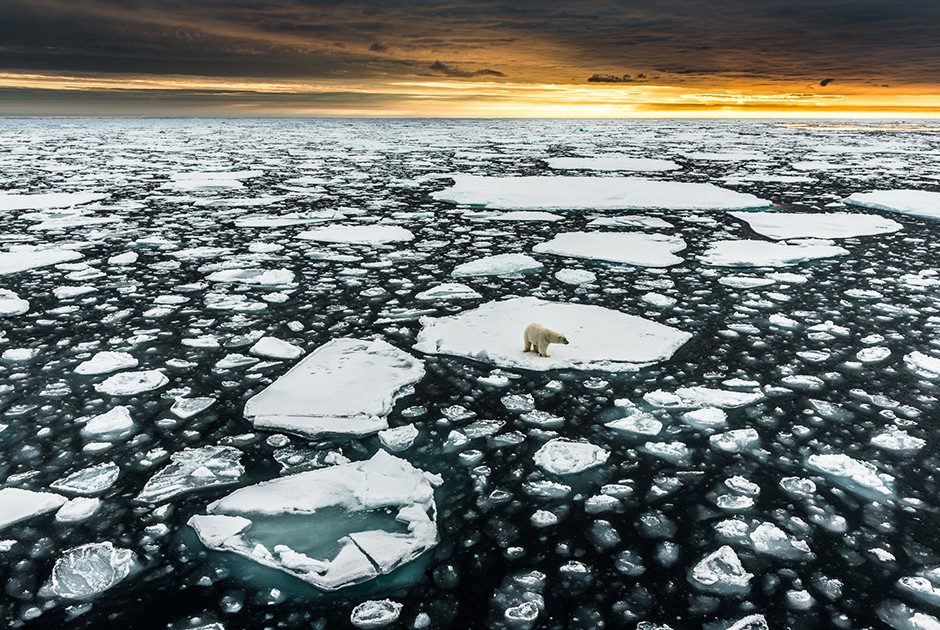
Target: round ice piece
564,457
113,423
105,362
85,571
499,264
11,304
130,383
375,613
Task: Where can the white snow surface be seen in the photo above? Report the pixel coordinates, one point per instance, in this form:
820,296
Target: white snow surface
919,203
493,331
44,201
448,291
539,192
344,387
131,383
786,225
566,457
750,253
497,265
854,475
612,162
629,248
18,504
22,259
389,494
105,362
11,304
194,469
361,234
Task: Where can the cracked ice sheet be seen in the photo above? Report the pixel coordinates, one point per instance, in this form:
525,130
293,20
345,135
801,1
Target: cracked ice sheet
492,333
749,253
919,203
344,387
591,193
383,491
194,469
629,248
786,225
44,201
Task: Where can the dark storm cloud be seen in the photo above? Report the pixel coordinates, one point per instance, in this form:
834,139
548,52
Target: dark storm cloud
553,40
826,82
451,71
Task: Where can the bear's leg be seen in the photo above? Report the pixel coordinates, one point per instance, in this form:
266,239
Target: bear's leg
543,349
528,346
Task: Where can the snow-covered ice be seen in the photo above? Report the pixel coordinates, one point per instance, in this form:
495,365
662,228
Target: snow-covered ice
786,225
493,331
89,570
498,264
132,383
750,253
11,304
23,259
629,248
565,457
612,162
721,573
919,203
106,362
448,291
362,234
344,387
18,504
194,469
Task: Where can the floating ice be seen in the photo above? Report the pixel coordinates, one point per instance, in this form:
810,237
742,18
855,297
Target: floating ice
786,225
78,509
706,418
575,276
22,259
290,218
898,441
564,457
375,613
89,481
363,234
44,201
448,291
104,362
721,573
11,304
85,571
591,193
255,277
630,248
855,476
493,331
274,348
331,527
923,365
612,162
17,504
399,438
131,383
499,264
195,180
634,421
519,215
344,387
188,407
194,469
699,397
920,203
109,425
745,282
747,253
635,221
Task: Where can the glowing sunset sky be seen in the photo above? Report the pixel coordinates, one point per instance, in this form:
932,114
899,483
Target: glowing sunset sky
820,58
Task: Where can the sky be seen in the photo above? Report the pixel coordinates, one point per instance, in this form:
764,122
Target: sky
603,58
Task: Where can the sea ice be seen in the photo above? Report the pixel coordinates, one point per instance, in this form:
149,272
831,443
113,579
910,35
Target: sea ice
721,573
375,613
362,234
748,253
131,383
23,258
611,162
519,215
698,397
923,365
493,331
255,277
89,481
575,276
591,193
11,304
85,571
331,527
786,225
105,362
499,264
17,504
194,469
45,201
78,509
288,219
855,476
448,291
344,387
630,248
109,425
274,348
564,457
920,203
188,407
399,438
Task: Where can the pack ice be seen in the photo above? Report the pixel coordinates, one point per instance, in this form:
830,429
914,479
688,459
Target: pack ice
786,225
540,192
600,338
85,571
749,253
919,203
344,387
331,527
629,248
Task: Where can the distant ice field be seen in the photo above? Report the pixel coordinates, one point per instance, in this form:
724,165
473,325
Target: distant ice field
271,373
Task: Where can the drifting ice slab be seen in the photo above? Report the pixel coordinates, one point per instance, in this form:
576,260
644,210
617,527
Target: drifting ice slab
592,193
17,504
629,248
920,203
21,259
331,527
612,162
361,234
344,387
83,572
492,332
747,253
786,225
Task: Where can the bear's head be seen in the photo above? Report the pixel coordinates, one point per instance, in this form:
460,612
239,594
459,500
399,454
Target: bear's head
562,339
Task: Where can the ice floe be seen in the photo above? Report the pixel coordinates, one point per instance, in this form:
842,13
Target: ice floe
497,265
109,425
749,253
194,469
701,397
132,383
106,362
591,193
566,457
855,476
86,571
630,248
721,573
375,613
11,304
344,387
17,504
493,331
448,291
919,203
923,365
787,225
44,201
611,162
362,234
519,215
24,258
274,348
386,518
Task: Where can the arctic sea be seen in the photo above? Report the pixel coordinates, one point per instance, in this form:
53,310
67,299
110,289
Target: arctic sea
742,432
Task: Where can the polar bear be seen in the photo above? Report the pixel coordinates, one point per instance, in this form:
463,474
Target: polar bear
537,337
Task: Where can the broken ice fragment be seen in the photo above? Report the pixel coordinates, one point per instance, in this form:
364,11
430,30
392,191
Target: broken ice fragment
746,253
499,264
188,407
85,571
344,387
110,425
17,504
194,469
11,304
564,457
89,481
399,438
721,573
274,348
855,476
628,248
375,613
104,362
131,383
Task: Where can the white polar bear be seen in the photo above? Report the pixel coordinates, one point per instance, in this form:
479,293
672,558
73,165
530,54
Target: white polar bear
537,337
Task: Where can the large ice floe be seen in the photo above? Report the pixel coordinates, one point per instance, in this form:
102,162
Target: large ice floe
786,225
919,203
749,253
541,192
496,265
331,527
23,258
493,331
629,248
612,162
361,234
18,504
344,387
45,201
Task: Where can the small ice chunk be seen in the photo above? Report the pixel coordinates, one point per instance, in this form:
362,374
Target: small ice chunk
923,365
361,234
898,441
105,362
721,573
565,457
85,571
854,475
78,509
186,408
700,397
575,276
375,613
274,348
748,253
873,354
17,504
132,383
499,264
194,469
629,248
399,438
22,259
11,304
448,291
89,481
112,424
611,162
706,418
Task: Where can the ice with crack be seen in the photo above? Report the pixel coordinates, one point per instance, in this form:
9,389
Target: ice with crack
89,481
344,387
565,457
194,469
88,570
331,527
721,573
